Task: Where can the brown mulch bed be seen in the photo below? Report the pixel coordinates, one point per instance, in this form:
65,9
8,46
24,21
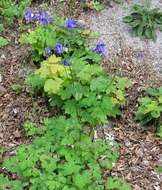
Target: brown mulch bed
15,108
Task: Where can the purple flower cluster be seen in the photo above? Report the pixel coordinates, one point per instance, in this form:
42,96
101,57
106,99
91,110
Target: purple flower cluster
47,51
42,17
57,49
65,62
100,48
29,16
71,24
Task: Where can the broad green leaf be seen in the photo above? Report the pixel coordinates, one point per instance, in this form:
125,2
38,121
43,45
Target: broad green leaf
99,84
82,180
53,86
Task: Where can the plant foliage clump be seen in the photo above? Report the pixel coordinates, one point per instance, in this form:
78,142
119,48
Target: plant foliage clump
144,21
150,109
48,36
81,89
9,10
98,5
64,157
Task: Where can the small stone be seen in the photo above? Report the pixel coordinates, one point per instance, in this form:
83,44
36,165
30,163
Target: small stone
2,89
3,56
0,77
15,111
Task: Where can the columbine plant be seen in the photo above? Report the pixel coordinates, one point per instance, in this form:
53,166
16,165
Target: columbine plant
60,37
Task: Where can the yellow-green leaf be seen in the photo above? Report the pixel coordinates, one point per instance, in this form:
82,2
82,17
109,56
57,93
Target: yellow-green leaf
53,59
53,86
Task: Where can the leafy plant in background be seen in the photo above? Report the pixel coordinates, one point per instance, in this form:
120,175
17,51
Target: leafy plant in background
9,10
144,21
98,5
65,157
150,108
81,89
115,1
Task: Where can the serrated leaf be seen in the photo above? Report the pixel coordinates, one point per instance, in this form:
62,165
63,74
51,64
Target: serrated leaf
71,107
53,86
55,68
81,181
99,84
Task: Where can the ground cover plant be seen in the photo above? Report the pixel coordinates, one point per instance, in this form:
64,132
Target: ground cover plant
64,153
62,157
150,109
144,21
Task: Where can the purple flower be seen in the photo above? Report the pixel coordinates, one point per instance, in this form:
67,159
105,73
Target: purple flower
71,24
44,18
59,48
47,51
140,56
100,48
29,15
66,62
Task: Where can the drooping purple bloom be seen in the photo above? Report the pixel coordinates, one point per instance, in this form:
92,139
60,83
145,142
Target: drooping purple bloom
29,15
66,62
44,18
140,56
100,48
59,48
71,24
47,51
